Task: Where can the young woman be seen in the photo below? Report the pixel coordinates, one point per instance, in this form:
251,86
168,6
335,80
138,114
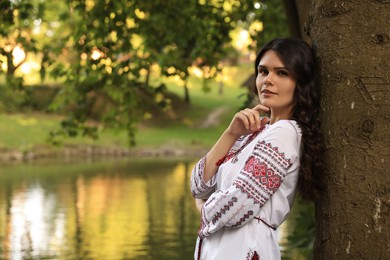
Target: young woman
245,185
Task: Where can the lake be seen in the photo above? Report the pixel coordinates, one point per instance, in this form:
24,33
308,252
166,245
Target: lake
108,209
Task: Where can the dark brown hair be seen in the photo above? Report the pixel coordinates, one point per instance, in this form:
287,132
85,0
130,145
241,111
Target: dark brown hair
299,59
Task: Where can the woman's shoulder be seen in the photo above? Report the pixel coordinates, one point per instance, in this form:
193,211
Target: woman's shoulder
285,134
286,126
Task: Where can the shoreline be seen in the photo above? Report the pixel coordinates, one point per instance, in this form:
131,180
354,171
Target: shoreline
93,151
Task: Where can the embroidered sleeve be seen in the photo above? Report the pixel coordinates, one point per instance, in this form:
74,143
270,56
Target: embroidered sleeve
260,177
199,188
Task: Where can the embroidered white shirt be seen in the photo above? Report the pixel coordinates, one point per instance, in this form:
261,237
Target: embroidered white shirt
250,195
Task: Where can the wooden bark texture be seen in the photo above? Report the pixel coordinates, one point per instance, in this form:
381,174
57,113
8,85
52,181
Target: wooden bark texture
352,42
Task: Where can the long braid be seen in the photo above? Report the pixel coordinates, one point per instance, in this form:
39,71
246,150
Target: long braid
306,113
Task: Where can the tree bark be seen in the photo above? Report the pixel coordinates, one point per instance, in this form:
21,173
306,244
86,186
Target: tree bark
297,12
352,43
293,18
186,92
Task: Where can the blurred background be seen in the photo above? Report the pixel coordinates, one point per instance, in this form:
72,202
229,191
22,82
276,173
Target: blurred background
105,107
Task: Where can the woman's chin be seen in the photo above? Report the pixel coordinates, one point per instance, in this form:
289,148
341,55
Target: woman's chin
265,103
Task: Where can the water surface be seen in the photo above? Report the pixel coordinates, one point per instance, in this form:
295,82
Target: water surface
114,209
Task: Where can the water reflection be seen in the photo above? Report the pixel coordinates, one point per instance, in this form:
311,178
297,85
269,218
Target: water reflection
112,210
98,210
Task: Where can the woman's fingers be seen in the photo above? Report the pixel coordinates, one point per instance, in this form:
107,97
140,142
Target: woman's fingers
264,120
261,108
242,115
254,118
250,116
250,119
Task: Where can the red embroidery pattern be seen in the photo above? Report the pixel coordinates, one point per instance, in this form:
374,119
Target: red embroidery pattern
197,185
223,210
251,190
261,176
253,255
278,157
243,219
266,176
203,231
234,153
263,172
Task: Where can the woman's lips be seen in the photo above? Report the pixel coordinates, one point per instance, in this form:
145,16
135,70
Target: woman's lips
267,92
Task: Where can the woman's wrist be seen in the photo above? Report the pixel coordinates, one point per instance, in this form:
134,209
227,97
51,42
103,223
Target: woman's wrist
231,135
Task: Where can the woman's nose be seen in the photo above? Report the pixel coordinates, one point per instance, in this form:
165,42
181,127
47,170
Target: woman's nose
268,79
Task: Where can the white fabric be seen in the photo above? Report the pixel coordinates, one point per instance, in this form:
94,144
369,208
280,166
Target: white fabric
258,181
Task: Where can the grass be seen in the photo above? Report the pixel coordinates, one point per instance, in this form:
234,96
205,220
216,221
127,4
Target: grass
24,131
189,132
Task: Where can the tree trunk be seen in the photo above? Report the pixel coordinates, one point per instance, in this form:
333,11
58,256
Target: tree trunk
186,92
297,12
352,42
148,71
10,65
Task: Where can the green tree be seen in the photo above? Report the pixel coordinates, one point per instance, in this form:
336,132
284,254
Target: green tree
16,25
17,42
111,42
102,61
190,33
274,19
99,49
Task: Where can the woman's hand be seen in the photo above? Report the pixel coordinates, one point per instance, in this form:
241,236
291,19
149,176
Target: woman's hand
199,204
244,122
247,121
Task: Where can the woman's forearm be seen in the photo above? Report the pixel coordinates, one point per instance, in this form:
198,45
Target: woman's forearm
219,150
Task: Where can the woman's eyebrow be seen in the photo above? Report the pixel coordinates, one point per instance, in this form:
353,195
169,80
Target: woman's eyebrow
275,68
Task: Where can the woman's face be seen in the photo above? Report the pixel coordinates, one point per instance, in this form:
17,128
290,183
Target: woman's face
275,84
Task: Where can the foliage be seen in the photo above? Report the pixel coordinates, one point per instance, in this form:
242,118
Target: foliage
274,25
16,21
301,237
274,22
30,128
127,38
100,60
106,49
189,34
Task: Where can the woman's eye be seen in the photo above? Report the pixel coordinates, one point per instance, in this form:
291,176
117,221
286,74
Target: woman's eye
282,73
263,71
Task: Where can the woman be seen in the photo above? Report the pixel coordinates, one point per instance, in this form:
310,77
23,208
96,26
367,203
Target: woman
245,185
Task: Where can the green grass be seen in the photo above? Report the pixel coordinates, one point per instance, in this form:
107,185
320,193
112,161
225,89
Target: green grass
24,131
203,103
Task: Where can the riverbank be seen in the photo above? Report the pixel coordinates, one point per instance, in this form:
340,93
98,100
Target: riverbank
72,151
24,139
24,136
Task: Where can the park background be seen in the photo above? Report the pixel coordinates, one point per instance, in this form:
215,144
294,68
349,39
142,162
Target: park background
107,105
87,185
